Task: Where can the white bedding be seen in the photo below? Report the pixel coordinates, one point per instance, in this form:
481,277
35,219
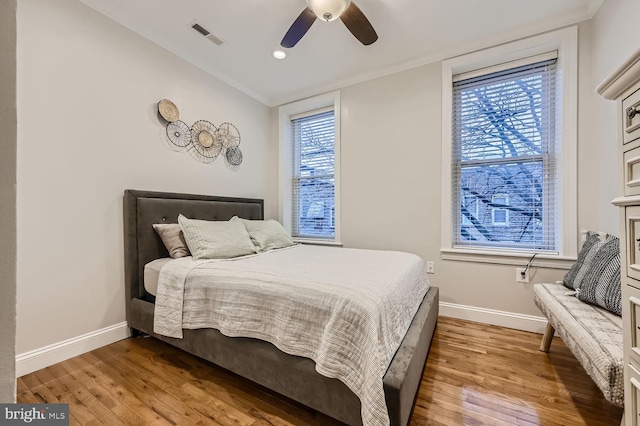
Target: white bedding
346,309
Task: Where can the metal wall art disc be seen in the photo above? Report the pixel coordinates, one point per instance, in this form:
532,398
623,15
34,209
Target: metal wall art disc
229,135
179,133
234,156
204,139
168,110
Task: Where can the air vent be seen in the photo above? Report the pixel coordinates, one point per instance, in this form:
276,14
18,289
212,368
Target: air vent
199,28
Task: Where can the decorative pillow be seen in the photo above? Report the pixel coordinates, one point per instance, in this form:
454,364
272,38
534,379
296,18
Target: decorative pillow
216,239
601,284
592,242
266,234
173,239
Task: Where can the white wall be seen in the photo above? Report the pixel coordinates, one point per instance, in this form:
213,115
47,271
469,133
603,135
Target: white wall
614,38
8,124
87,130
391,186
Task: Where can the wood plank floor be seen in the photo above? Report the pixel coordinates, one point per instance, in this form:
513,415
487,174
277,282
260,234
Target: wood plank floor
476,374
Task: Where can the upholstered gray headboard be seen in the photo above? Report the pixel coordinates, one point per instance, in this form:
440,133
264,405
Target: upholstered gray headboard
144,208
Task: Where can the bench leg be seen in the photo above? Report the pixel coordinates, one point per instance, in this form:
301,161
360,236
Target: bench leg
547,338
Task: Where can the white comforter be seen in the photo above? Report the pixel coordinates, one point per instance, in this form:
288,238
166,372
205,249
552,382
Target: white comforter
346,309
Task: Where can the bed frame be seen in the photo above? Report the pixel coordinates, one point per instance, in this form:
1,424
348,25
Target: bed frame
257,360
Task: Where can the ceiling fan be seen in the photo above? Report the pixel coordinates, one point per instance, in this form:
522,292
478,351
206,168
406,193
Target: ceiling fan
329,10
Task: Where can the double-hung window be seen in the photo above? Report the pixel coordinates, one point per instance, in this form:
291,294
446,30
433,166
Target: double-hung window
313,174
511,147
504,155
309,177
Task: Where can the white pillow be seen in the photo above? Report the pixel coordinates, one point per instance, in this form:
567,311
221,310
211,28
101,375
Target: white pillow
266,234
215,239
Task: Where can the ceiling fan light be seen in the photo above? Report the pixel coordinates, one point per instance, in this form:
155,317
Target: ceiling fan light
328,10
279,54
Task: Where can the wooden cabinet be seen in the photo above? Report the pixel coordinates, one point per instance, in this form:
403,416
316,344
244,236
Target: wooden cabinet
623,86
632,231
634,325
631,116
631,159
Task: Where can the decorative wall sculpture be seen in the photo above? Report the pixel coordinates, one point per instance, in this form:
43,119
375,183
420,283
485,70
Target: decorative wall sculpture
203,138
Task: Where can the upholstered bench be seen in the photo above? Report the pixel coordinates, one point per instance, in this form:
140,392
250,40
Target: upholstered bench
593,334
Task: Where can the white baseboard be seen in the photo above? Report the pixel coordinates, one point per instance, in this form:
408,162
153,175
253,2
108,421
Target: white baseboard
490,316
31,361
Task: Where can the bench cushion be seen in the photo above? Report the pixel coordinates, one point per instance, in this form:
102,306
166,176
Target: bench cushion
593,335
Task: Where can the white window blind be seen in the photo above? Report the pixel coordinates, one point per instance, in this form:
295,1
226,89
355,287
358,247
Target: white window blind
504,151
313,183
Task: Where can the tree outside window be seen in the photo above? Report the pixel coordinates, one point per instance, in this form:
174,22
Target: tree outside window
504,158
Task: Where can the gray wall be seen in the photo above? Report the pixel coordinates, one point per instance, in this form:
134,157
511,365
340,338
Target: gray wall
8,124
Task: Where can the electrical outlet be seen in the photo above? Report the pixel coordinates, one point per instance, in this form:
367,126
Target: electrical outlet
431,268
521,275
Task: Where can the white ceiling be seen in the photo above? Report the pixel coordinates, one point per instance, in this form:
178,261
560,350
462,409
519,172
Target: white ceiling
411,33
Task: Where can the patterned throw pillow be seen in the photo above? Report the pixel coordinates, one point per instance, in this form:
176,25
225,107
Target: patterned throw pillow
601,283
592,242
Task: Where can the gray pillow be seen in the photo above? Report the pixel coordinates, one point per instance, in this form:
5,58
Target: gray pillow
216,239
173,239
573,278
266,234
601,285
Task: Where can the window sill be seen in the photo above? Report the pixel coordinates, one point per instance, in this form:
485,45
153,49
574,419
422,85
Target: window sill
508,258
317,242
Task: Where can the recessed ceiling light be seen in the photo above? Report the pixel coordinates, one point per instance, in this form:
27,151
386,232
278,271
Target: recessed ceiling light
279,54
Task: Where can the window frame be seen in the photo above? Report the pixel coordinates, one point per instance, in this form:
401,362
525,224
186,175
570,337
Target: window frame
285,113
494,209
565,42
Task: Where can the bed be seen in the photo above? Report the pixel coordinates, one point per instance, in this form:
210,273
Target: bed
257,360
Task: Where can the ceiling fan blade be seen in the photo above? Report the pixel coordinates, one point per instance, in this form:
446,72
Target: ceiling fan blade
299,28
359,25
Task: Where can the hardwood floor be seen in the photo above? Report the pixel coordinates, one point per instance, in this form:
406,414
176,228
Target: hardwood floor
476,374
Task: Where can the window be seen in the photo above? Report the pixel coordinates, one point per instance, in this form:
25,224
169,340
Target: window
313,174
504,149
509,133
310,168
499,210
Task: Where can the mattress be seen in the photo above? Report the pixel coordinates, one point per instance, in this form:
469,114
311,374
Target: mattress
152,274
